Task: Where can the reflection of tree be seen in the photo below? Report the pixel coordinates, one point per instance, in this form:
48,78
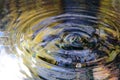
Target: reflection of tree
109,16
21,10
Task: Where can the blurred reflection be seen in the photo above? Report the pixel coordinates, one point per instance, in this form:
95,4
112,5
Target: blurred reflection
61,39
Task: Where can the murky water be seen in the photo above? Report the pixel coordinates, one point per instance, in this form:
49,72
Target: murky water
63,39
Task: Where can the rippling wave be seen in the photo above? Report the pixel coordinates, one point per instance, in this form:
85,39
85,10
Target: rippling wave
65,39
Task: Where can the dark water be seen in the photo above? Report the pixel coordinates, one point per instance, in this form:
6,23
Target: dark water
64,39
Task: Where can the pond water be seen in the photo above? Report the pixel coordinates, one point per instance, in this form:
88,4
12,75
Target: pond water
60,39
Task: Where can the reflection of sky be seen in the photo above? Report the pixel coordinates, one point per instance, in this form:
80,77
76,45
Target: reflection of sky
1,34
11,66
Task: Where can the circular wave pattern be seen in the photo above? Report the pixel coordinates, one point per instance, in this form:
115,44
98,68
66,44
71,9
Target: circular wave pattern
75,43
66,42
71,43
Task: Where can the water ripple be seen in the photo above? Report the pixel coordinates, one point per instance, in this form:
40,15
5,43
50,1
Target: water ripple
57,41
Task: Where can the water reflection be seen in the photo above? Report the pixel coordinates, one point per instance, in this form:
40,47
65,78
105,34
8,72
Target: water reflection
63,40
